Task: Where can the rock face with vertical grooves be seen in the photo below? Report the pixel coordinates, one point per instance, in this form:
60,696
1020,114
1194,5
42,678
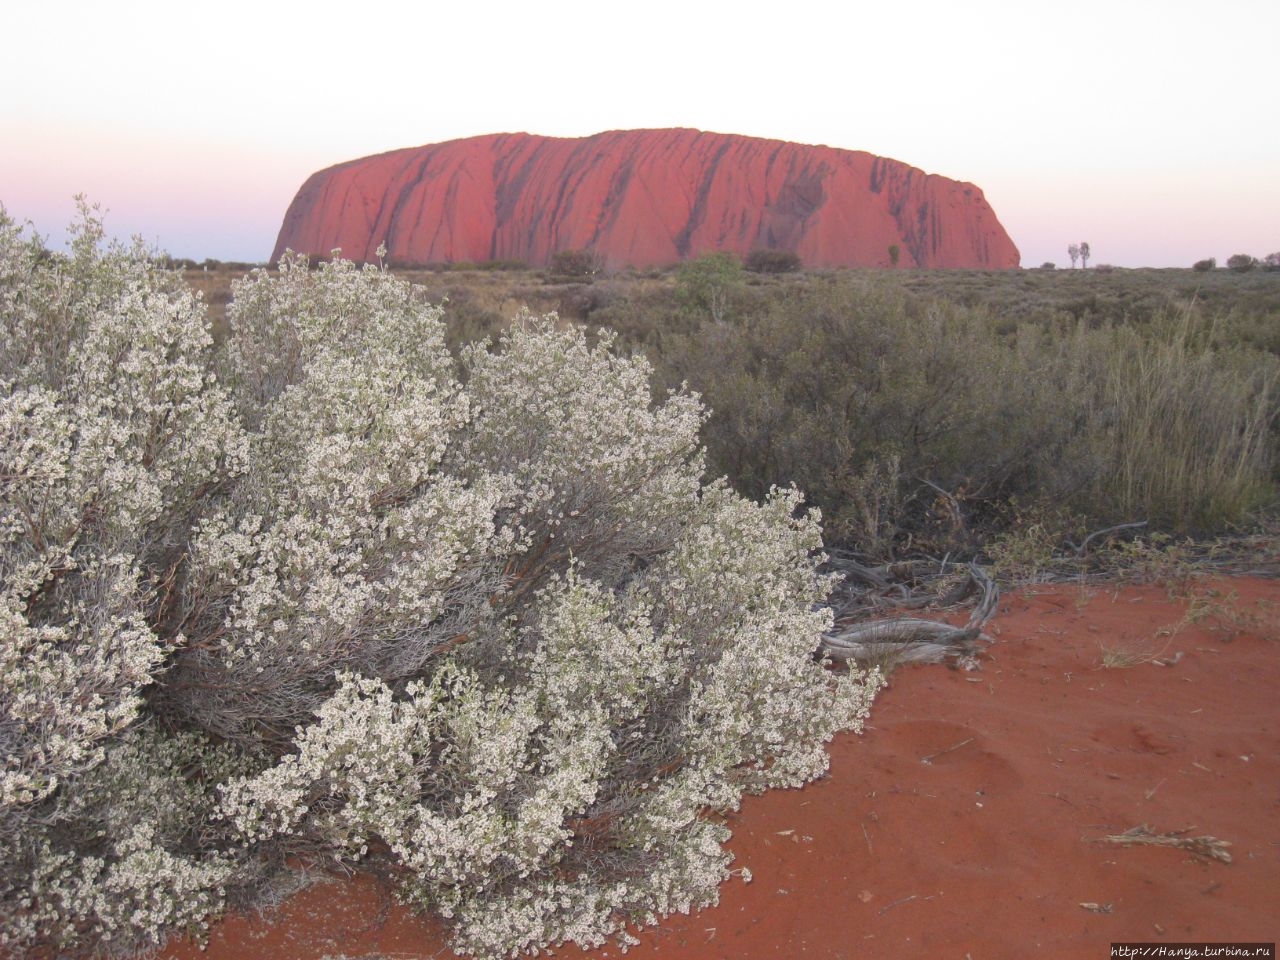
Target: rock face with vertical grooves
642,198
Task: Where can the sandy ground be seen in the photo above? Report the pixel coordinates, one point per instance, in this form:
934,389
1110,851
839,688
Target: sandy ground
970,820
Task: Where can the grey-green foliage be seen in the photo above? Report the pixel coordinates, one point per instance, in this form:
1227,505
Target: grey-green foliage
831,380
133,851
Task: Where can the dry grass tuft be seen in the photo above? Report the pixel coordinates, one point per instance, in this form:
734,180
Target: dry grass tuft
1135,653
1211,848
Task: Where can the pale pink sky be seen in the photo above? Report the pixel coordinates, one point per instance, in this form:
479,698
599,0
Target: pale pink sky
1144,128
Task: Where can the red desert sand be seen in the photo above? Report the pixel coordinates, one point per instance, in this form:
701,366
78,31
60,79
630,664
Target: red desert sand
982,815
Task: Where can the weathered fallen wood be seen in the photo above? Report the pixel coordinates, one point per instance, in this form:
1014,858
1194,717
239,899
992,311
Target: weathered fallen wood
915,639
906,639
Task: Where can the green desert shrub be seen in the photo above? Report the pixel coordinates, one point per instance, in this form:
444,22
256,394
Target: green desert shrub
772,261
834,385
354,599
711,285
574,265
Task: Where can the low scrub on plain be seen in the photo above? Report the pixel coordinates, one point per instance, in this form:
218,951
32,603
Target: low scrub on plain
921,423
945,410
330,592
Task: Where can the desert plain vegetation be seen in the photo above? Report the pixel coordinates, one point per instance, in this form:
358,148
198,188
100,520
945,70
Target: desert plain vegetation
500,582
942,411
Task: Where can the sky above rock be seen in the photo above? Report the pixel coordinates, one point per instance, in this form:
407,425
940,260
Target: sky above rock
1142,128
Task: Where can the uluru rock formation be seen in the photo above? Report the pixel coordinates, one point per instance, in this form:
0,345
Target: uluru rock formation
642,198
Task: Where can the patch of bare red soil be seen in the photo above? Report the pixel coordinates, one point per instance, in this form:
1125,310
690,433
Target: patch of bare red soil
970,821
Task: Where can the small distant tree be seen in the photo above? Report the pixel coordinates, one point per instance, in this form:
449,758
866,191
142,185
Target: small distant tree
574,264
1084,255
1204,266
894,254
1271,261
1241,262
710,283
1073,251
1048,265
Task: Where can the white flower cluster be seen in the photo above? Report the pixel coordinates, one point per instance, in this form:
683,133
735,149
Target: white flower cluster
345,546
480,616
120,867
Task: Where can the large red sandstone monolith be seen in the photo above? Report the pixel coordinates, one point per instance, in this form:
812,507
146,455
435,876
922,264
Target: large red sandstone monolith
642,198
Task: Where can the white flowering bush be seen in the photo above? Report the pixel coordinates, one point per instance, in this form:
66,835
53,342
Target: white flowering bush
112,431
337,594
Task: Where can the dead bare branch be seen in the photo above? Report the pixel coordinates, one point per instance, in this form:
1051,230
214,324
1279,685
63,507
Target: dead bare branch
915,639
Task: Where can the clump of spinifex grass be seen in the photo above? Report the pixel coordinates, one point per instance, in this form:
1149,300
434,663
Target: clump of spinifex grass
1189,425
